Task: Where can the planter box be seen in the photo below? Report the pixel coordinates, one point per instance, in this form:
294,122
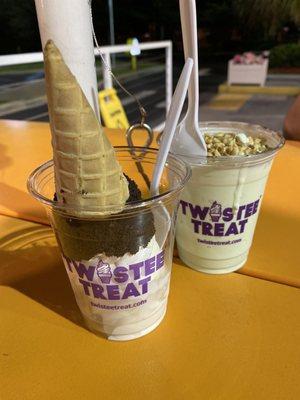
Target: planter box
254,74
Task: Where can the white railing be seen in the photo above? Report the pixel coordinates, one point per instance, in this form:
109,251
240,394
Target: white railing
28,58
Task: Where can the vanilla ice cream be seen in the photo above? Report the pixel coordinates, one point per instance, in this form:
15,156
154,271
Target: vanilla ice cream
123,297
220,204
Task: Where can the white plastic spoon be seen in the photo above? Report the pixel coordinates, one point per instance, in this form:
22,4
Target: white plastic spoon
188,139
171,124
161,215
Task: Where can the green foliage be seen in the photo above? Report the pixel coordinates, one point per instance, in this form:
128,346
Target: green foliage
295,10
272,15
232,25
18,26
286,55
215,12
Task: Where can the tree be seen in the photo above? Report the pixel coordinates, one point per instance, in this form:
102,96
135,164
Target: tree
272,15
18,26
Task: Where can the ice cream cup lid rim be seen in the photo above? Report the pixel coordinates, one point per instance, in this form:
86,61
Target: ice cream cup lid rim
132,206
232,160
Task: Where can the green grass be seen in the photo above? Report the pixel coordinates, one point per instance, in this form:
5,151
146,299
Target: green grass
121,67
285,55
33,67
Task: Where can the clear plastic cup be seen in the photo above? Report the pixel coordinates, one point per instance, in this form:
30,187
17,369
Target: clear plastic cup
220,204
119,265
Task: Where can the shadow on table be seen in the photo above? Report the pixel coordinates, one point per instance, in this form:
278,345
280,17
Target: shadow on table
21,204
5,160
31,264
275,252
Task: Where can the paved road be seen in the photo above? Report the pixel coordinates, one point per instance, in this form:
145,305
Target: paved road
19,78
269,111
149,86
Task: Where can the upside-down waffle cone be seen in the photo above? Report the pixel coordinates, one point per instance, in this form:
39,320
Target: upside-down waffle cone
87,173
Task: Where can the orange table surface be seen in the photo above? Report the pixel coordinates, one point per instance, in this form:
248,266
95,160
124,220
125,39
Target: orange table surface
224,337
23,147
275,252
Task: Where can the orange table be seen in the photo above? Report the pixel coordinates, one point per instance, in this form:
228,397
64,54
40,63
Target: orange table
23,147
275,253
224,337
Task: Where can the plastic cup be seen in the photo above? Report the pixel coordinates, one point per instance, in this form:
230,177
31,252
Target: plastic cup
220,204
119,265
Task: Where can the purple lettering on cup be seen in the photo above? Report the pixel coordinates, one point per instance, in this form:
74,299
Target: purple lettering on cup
82,271
160,260
144,284
98,291
196,225
232,230
136,269
197,212
150,266
207,229
130,290
113,292
86,286
240,212
227,214
242,225
219,230
255,206
184,205
121,274
249,210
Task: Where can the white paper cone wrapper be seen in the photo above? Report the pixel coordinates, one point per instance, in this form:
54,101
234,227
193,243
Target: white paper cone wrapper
68,24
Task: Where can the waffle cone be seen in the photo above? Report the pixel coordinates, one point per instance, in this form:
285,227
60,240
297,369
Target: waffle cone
87,173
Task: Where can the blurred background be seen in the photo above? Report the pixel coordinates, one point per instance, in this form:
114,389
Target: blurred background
264,30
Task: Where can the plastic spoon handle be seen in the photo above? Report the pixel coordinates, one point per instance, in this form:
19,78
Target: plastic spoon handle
171,124
189,33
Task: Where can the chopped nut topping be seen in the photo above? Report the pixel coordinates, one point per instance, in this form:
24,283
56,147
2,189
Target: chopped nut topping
231,144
